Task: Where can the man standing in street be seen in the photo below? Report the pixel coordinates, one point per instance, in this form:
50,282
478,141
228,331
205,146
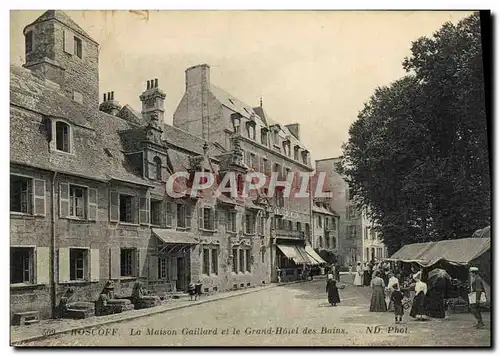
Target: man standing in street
478,289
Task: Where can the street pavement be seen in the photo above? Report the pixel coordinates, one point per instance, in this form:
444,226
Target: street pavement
289,315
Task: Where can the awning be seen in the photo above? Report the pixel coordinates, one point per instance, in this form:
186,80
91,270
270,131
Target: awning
170,236
313,256
296,253
458,252
223,199
250,205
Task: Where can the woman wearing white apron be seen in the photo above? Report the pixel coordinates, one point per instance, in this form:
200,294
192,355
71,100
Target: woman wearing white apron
358,278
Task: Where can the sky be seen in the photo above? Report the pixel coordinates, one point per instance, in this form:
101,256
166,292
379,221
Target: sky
315,68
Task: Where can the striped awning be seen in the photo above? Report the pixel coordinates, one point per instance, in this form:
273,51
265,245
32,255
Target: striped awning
296,253
313,256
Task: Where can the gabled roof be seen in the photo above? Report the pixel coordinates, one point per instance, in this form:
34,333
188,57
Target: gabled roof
63,18
184,140
259,110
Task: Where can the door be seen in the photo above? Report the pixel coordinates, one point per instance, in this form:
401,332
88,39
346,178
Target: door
181,274
373,254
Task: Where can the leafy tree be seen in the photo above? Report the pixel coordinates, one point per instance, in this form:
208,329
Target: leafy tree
417,155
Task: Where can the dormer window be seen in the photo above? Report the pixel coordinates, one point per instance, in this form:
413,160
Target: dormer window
304,156
29,41
157,161
63,136
251,130
296,153
263,136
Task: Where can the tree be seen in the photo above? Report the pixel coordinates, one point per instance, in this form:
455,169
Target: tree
417,155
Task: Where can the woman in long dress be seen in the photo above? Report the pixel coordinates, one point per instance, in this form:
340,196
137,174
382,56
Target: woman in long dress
332,290
393,280
417,309
358,277
434,301
377,303
366,275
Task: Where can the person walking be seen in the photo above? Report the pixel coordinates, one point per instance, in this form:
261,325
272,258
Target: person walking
377,302
417,308
477,287
397,302
366,275
358,277
332,291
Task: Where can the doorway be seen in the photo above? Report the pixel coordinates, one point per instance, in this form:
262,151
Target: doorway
181,274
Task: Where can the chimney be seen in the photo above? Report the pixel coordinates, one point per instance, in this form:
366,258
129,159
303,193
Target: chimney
109,105
294,130
153,101
198,75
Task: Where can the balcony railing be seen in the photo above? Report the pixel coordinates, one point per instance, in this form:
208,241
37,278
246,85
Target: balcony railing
290,234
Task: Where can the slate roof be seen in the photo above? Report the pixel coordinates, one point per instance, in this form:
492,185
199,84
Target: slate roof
62,17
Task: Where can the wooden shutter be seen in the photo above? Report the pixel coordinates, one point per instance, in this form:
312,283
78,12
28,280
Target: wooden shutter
200,218
42,265
92,199
39,197
187,214
63,265
213,218
142,262
114,206
63,200
114,263
144,209
69,42
153,268
169,213
172,268
94,265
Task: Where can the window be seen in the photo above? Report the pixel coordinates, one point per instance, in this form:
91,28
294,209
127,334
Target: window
20,194
327,223
327,241
263,255
250,223
248,261
367,258
351,231
320,242
231,221
183,216
242,261
78,47
21,265
251,160
206,261
62,137
320,221
334,242
207,219
373,234
157,162
127,262
215,261
235,260
334,223
29,41
162,268
307,231
263,136
296,153
251,130
351,212
126,208
77,197
78,264
262,225
156,212
304,157
276,138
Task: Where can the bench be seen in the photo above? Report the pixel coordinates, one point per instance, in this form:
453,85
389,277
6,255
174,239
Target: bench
26,318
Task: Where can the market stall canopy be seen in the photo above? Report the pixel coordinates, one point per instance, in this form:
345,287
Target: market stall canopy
459,252
486,232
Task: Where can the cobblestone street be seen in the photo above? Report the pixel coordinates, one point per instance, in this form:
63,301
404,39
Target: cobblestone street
290,315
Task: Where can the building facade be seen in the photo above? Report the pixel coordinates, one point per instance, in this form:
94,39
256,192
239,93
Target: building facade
353,224
88,199
325,229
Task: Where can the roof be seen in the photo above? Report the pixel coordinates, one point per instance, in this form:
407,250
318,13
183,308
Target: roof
485,232
322,210
98,155
63,18
460,251
182,139
170,236
259,110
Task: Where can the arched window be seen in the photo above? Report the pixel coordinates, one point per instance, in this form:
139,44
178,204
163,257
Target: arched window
62,136
157,161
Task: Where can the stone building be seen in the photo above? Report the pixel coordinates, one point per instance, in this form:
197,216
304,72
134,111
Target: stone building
325,229
373,247
353,224
211,113
88,196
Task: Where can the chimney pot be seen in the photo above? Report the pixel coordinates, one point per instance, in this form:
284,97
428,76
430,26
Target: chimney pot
104,99
112,95
148,85
156,83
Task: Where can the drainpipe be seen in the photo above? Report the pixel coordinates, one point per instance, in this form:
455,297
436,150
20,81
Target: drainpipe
53,247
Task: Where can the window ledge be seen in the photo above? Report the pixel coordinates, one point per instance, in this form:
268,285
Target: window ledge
73,218
182,228
249,234
25,285
55,150
128,278
77,283
207,230
154,225
128,224
16,215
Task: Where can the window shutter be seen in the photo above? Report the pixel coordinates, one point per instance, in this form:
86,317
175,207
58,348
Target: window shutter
92,199
42,265
63,200
94,265
169,214
114,206
39,197
114,268
144,208
172,270
213,219
257,223
200,218
228,221
244,223
142,262
69,42
63,265
153,268
188,216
